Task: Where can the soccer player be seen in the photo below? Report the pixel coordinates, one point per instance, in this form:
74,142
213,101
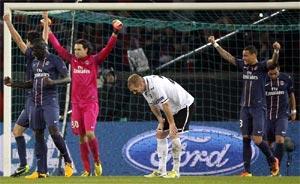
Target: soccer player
24,117
165,95
22,122
47,69
84,94
253,101
281,104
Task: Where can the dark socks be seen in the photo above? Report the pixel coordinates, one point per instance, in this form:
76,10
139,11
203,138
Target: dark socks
264,147
247,153
279,151
61,146
41,151
21,146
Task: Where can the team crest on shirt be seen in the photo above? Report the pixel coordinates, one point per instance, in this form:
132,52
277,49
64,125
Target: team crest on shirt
281,83
47,63
86,62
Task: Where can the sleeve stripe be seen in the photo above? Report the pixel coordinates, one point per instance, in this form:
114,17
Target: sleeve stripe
165,100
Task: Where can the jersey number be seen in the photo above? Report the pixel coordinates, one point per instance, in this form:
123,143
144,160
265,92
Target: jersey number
74,124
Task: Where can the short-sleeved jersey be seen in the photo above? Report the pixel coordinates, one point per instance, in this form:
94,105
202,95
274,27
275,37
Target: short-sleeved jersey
277,94
53,67
254,79
160,90
84,70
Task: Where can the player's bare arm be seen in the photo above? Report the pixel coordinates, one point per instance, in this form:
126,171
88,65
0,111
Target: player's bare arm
45,22
157,114
275,56
293,106
170,118
17,84
14,34
225,55
64,80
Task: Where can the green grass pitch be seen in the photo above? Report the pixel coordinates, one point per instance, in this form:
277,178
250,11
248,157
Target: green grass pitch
142,180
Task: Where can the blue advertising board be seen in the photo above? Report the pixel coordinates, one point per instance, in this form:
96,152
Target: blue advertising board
129,148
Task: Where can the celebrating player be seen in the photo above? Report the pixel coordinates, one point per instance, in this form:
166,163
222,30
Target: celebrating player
24,117
253,101
177,104
84,95
281,104
46,69
22,122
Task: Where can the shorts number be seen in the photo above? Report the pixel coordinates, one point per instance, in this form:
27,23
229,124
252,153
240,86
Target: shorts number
241,123
74,124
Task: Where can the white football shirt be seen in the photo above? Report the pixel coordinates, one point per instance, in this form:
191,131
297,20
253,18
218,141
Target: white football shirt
160,90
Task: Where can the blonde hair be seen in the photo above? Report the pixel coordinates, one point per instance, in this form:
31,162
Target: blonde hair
134,79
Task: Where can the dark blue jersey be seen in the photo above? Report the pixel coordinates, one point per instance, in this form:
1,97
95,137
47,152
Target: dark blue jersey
254,79
277,93
53,67
28,72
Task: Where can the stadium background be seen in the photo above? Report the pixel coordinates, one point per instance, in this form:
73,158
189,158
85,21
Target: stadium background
212,81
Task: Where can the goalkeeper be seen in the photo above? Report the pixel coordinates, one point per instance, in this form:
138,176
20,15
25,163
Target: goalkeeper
84,93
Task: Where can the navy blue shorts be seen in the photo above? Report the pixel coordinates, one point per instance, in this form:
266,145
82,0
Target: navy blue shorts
252,120
24,118
276,127
42,116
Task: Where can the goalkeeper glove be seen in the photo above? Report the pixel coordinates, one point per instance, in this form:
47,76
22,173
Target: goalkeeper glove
117,26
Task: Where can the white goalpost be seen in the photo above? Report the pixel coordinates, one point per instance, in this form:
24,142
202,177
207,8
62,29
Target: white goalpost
9,7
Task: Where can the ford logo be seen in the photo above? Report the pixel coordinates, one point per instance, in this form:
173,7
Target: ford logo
205,151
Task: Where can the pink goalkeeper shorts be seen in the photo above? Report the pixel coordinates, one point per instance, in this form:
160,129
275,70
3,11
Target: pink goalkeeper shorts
84,117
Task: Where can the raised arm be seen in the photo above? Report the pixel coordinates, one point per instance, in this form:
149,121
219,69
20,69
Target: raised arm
225,55
62,52
46,22
293,106
14,34
102,55
275,56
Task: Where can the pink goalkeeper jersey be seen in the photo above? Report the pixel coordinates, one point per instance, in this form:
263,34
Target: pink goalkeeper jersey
84,70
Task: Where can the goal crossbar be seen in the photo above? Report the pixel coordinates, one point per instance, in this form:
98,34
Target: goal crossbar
154,6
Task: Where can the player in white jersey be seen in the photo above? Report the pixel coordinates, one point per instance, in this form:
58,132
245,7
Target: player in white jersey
165,95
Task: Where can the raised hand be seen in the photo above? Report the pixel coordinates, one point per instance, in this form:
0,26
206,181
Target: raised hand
6,17
45,17
276,46
117,25
211,39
